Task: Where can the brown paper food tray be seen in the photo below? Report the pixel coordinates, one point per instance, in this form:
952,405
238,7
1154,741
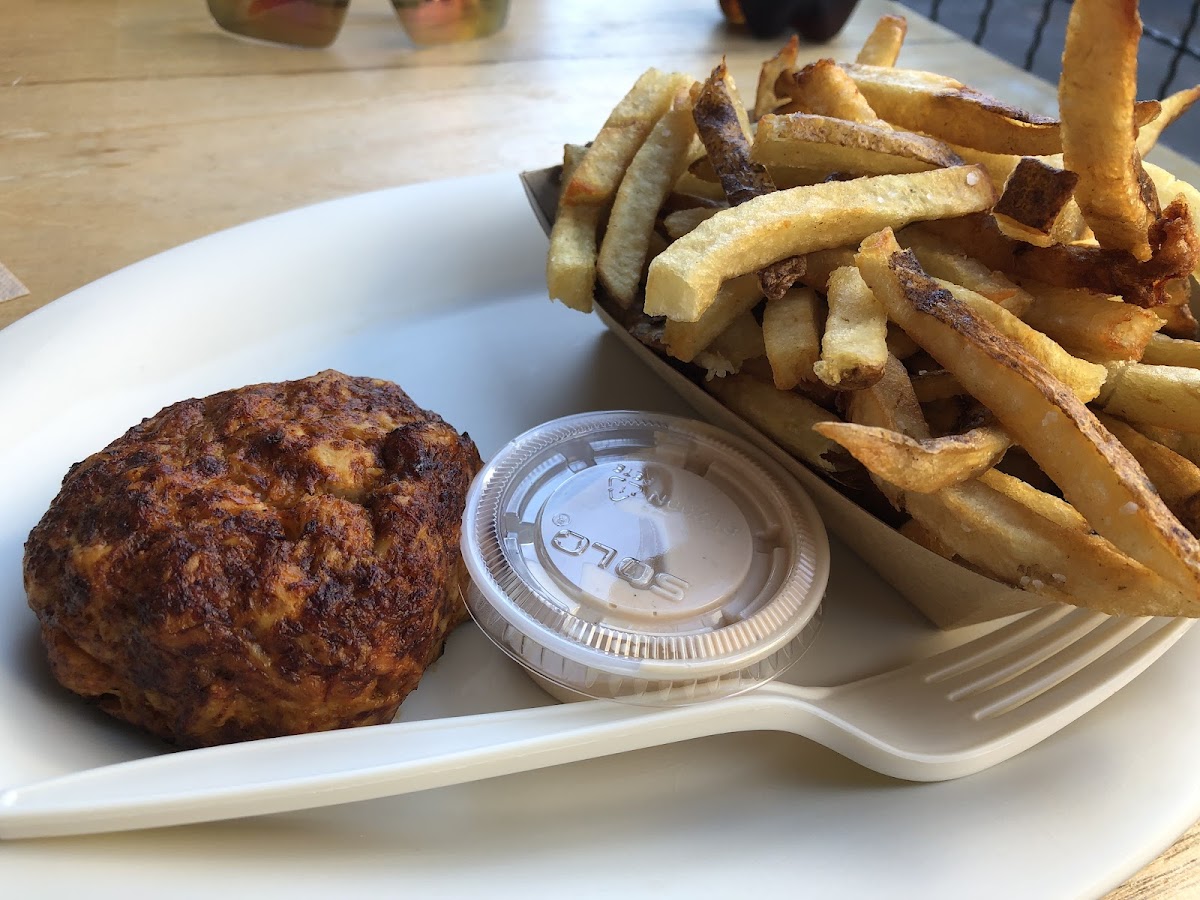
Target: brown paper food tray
946,593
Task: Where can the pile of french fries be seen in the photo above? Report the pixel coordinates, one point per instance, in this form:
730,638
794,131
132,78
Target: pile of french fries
980,314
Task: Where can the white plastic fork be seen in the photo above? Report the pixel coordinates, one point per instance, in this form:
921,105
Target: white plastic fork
943,717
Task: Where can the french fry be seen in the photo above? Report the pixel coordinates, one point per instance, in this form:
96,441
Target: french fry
840,146
1097,89
882,46
742,340
941,259
1114,272
792,332
684,279
683,340
693,185
1176,313
652,173
1082,378
786,416
765,99
1013,314
919,534
1015,544
933,386
593,183
1176,478
854,345
1173,107
682,221
823,88
1090,325
571,265
821,264
923,466
1096,474
1165,396
1034,198
1170,188
1166,351
598,175
725,131
951,111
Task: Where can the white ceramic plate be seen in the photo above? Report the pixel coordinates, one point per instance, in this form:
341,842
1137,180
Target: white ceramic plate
440,287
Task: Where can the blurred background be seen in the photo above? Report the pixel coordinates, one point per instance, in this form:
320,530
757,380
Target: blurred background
1029,33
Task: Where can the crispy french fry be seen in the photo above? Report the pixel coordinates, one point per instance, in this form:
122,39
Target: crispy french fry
933,386
785,416
1034,197
683,280
593,183
1166,351
694,186
1014,543
882,46
1165,396
919,534
823,88
1083,378
1176,478
1115,272
899,344
1090,325
1096,474
840,146
792,332
683,340
921,466
724,129
765,99
1173,107
1176,313
682,221
1097,89
652,173
854,345
1170,188
821,263
571,264
598,175
572,156
951,111
742,340
941,259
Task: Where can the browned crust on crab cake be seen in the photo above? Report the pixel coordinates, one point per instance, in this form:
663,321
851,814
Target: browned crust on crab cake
276,559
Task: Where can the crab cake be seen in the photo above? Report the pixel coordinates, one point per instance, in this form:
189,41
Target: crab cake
271,560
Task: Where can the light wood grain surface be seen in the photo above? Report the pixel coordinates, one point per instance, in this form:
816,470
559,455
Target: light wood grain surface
130,126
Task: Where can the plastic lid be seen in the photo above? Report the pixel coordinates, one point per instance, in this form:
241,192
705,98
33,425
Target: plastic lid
643,557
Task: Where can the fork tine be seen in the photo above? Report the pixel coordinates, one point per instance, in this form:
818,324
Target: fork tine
981,650
1097,663
1061,634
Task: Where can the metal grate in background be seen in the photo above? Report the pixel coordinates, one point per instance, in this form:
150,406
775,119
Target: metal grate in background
1030,33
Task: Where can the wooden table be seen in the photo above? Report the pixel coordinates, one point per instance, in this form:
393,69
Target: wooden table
130,126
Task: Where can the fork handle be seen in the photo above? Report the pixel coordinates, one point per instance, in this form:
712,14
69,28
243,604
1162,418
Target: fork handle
313,770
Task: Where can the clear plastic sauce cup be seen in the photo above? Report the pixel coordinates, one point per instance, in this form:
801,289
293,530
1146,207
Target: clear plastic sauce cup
643,557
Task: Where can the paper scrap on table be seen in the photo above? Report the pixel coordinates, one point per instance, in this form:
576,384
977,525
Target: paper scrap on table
10,285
